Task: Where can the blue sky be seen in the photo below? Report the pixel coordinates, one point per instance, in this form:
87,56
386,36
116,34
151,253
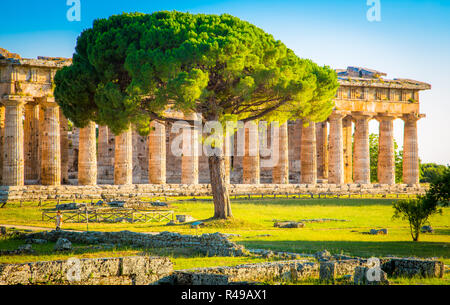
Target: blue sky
411,41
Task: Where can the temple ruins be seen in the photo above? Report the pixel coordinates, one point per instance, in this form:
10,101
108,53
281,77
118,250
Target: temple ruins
39,149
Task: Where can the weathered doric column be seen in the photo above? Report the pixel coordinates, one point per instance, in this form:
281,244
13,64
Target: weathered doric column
335,154
123,158
348,151
280,172
31,143
50,144
64,135
308,170
411,149
105,168
140,158
189,159
250,164
157,153
87,156
13,159
295,148
322,150
2,139
73,156
361,157
386,153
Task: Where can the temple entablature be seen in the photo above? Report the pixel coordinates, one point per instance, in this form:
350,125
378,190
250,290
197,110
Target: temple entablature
364,89
28,77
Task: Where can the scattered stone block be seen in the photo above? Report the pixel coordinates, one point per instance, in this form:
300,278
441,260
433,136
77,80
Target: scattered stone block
261,235
322,255
427,229
231,235
378,232
38,241
184,218
159,204
3,230
27,248
289,224
63,244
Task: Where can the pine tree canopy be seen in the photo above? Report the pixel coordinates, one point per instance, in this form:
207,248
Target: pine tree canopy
130,68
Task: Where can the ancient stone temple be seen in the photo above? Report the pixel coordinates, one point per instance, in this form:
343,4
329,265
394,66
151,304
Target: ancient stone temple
33,131
37,147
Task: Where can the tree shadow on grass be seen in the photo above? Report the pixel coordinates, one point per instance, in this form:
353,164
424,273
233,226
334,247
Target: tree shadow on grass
439,232
357,248
354,202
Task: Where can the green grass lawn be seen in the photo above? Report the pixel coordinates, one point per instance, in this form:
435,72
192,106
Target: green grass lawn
254,221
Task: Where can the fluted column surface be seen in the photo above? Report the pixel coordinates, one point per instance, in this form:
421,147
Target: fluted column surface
308,170
250,162
87,156
280,173
157,154
123,158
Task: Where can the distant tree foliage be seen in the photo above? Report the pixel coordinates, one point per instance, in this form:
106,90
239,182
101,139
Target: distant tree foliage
431,172
129,68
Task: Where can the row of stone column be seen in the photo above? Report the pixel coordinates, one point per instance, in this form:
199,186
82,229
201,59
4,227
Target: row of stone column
333,157
32,149
344,169
337,157
43,138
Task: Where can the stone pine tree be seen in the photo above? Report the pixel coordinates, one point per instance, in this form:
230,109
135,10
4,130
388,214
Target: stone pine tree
130,68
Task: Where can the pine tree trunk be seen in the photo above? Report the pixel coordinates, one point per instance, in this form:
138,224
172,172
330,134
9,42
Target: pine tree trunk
221,198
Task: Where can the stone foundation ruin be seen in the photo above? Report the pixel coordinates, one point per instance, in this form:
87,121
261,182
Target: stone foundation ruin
157,270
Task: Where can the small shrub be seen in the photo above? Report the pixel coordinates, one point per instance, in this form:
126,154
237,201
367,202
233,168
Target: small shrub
416,211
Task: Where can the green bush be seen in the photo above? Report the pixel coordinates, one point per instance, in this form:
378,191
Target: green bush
417,212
